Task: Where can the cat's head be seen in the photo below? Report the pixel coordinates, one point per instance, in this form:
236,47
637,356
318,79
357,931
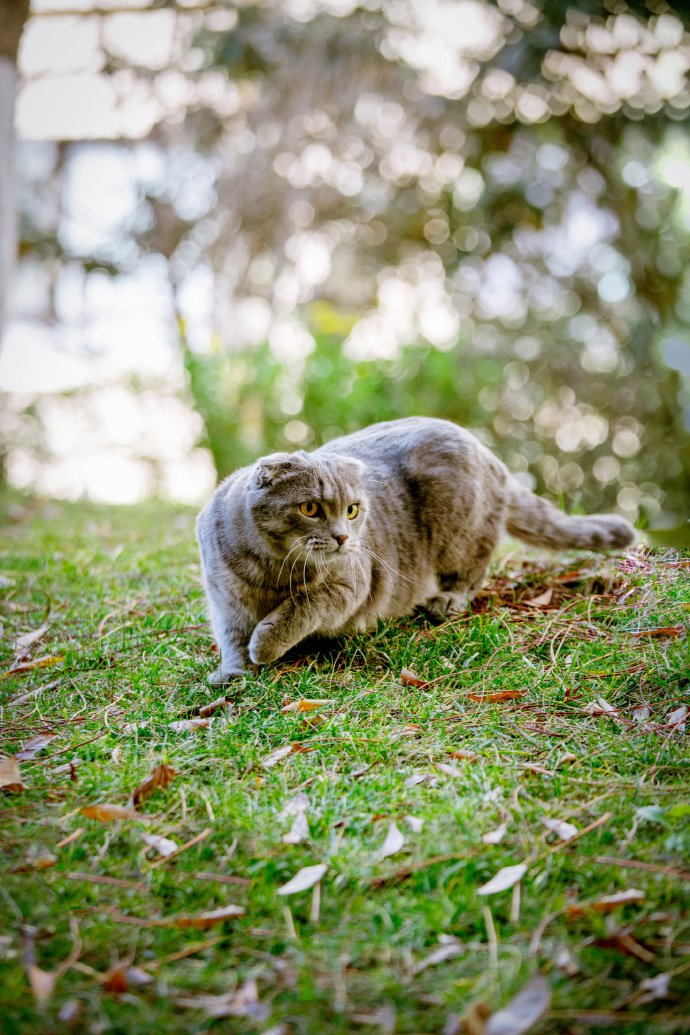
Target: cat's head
315,506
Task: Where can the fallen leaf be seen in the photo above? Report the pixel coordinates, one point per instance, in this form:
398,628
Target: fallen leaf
411,729
200,922
161,776
676,718
601,707
543,600
532,767
213,706
189,725
652,988
115,981
165,846
565,962
299,831
449,770
33,746
665,632
306,704
42,983
414,823
393,843
10,777
27,640
642,712
465,756
305,878
203,920
558,826
277,756
112,813
29,666
506,877
523,1011
410,678
494,837
566,759
496,698
242,1003
417,778
449,951
605,904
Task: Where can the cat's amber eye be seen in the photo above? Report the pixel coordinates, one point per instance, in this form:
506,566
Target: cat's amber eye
309,509
352,511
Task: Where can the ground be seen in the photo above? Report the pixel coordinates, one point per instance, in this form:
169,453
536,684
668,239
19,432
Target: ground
544,730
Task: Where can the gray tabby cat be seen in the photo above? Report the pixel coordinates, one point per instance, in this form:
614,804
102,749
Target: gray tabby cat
400,515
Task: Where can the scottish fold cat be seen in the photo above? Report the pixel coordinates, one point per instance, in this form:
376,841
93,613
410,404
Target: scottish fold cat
400,515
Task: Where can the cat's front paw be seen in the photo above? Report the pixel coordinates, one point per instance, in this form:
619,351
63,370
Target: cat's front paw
446,605
263,646
225,675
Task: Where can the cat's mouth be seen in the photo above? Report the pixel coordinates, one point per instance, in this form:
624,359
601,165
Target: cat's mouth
330,551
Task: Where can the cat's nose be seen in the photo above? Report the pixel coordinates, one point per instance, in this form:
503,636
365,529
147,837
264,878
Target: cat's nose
340,539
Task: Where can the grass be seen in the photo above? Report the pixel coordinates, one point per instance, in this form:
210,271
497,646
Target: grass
86,905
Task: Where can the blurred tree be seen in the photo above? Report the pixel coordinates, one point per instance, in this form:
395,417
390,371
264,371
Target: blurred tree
13,15
489,201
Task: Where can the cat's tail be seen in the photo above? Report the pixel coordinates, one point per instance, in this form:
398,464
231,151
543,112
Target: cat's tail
536,521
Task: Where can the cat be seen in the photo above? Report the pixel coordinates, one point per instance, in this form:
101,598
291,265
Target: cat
401,515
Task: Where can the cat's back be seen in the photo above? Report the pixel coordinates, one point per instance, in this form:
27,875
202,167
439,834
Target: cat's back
424,445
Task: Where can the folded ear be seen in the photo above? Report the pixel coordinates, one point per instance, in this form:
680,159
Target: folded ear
351,467
270,469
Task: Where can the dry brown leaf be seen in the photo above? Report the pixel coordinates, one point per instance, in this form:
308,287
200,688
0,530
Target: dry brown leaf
505,878
213,706
543,600
204,920
496,698
522,1012
677,718
29,666
190,725
393,843
664,632
417,778
410,678
27,640
559,826
276,756
299,830
306,704
33,746
411,729
605,904
449,770
494,837
42,983
112,813
465,756
305,878
10,776
242,1003
448,951
165,846
161,776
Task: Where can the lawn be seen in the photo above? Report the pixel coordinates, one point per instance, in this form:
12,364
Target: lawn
151,830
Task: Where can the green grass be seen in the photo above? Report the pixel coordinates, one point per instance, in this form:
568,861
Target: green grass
122,593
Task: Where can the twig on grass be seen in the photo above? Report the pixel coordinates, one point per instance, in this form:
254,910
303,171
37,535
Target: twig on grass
637,864
183,848
585,830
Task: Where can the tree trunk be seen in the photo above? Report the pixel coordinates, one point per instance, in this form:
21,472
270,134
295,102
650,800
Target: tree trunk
13,15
